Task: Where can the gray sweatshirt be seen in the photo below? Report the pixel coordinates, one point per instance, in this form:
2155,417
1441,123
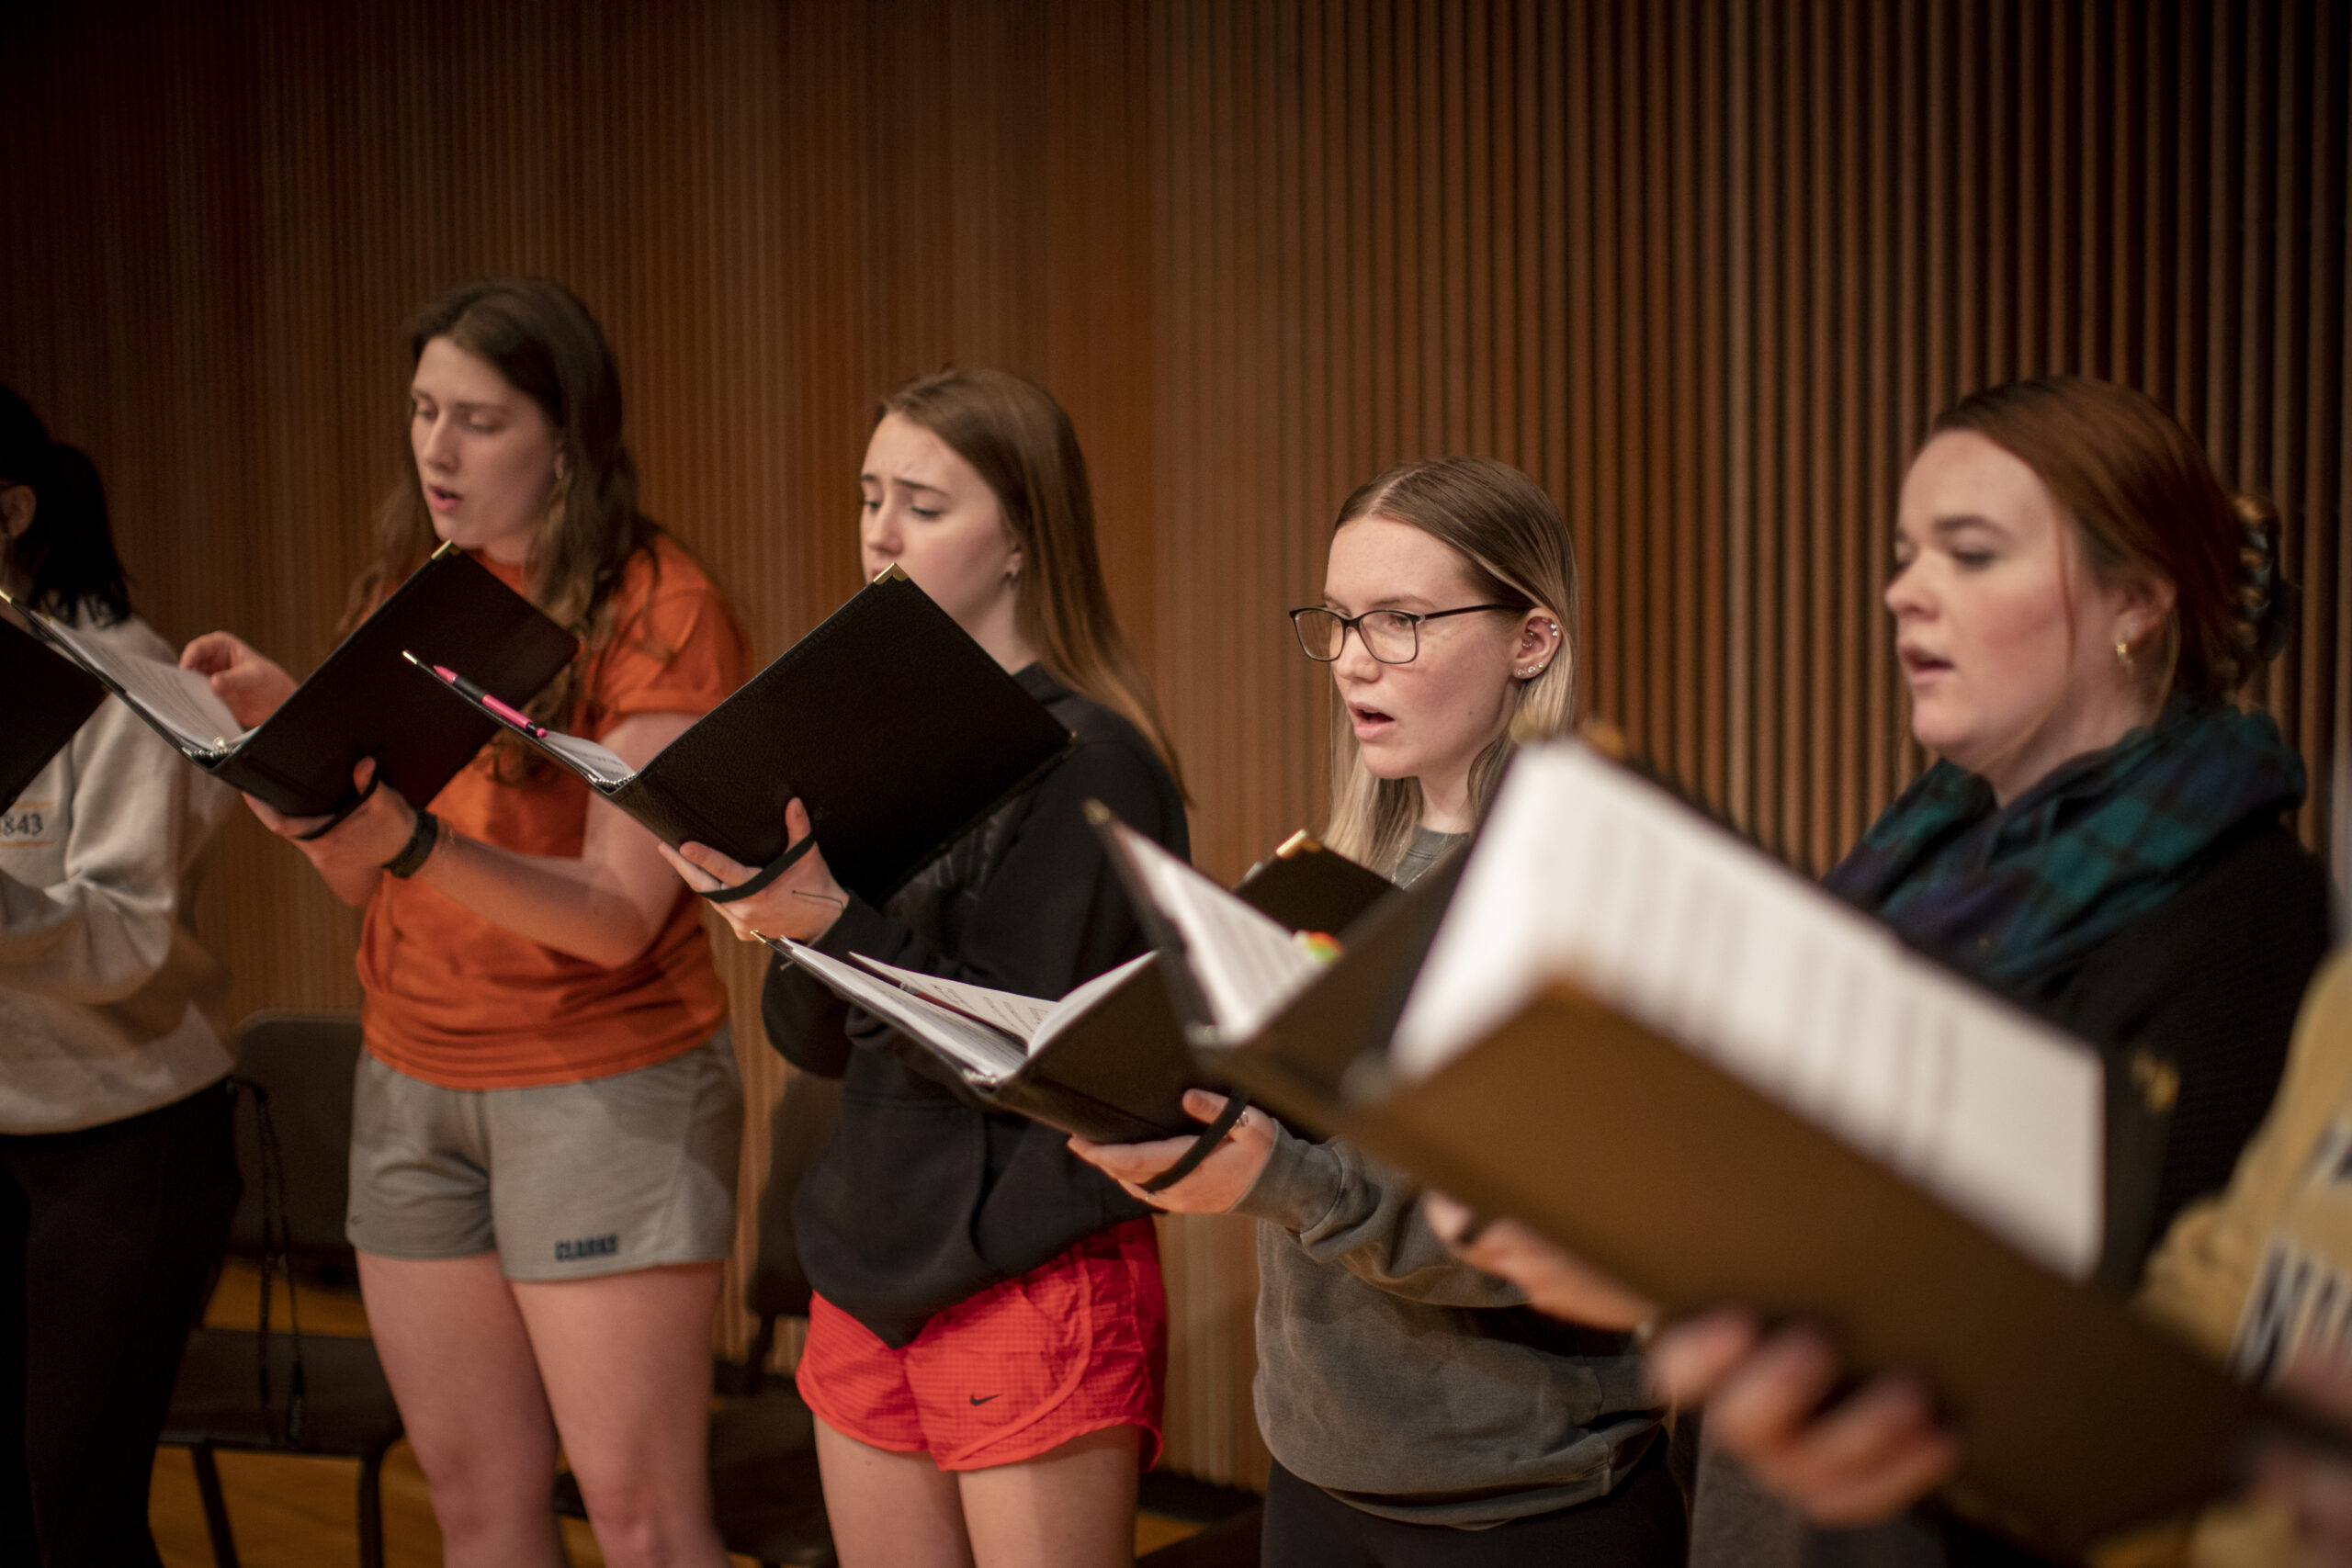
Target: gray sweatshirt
104,990
1406,1383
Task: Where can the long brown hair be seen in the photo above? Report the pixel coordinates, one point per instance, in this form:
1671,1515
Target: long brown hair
1515,544
2145,505
1021,443
538,335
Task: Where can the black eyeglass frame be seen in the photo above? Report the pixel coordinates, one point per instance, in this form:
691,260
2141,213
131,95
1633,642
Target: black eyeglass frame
1354,624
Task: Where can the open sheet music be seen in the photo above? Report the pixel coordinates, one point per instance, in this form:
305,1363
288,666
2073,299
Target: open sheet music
986,1055
893,729
362,701
1247,966
179,702
1587,873
990,1033
1109,1060
1619,1023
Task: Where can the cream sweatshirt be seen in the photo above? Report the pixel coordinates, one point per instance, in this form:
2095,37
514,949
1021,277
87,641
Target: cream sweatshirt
105,992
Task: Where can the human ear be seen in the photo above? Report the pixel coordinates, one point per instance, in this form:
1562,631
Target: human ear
1539,643
2143,607
18,504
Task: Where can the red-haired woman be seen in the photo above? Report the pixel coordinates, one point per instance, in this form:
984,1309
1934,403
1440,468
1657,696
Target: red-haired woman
2077,602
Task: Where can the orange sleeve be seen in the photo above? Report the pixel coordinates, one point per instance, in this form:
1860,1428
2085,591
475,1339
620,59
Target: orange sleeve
676,645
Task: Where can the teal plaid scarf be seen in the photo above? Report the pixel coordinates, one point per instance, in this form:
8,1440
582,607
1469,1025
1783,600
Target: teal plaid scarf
2021,894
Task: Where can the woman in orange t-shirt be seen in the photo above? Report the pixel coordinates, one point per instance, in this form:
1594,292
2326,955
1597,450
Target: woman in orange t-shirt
545,1122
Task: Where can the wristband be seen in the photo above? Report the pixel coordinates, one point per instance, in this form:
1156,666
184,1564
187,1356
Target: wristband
419,848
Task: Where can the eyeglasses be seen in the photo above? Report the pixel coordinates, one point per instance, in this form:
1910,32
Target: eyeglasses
1392,636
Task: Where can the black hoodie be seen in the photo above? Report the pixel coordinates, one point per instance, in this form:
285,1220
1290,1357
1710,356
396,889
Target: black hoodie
922,1199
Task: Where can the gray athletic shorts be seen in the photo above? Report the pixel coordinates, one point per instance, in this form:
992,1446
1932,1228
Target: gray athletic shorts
563,1181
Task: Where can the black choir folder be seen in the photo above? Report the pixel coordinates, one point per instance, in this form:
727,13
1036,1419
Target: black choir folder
361,702
893,728
1108,1061
1619,1023
49,699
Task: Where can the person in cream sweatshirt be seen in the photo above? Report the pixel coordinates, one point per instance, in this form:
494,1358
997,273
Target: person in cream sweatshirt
118,1169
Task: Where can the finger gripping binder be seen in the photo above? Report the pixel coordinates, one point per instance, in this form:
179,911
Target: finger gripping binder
362,701
1548,1028
894,729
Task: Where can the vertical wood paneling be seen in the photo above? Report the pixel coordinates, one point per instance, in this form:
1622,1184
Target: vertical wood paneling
1704,270
1766,242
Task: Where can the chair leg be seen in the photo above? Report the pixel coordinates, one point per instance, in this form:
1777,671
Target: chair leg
215,1507
371,1511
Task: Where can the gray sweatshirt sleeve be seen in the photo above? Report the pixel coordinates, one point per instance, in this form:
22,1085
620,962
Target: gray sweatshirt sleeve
1343,1207
101,924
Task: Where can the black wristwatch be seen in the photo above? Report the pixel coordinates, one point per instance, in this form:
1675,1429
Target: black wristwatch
419,848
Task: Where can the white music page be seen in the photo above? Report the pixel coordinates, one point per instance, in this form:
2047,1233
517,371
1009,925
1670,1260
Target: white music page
1249,964
1590,873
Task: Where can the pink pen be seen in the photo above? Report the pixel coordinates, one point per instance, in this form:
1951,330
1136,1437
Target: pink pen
514,716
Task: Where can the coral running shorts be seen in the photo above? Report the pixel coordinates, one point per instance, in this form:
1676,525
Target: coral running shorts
1077,1344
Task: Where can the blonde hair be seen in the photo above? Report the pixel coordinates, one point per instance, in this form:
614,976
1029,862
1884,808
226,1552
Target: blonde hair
1019,441
1516,545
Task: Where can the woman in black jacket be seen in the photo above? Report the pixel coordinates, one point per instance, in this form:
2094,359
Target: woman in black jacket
988,1348
2077,602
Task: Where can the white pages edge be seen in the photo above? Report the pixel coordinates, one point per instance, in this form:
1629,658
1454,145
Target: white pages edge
985,1050
1034,1023
179,702
1249,965
1586,873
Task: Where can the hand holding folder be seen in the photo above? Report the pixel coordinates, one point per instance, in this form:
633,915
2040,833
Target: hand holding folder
894,729
1206,1173
1108,1062
1621,1025
1846,1461
361,702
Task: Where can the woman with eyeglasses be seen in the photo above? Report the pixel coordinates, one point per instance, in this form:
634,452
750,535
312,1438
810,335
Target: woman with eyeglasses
1416,1409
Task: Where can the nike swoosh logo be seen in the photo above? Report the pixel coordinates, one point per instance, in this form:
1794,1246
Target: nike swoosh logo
977,1400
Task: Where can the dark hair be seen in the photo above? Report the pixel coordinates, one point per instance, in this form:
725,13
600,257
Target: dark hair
537,334
2146,506
1512,540
66,555
1021,443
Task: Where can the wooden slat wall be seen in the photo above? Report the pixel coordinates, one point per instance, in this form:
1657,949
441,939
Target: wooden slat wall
1704,269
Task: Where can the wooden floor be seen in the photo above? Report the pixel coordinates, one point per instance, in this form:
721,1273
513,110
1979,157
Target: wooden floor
298,1512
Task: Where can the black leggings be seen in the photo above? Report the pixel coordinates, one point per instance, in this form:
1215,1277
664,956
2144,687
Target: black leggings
1639,1525
107,1236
